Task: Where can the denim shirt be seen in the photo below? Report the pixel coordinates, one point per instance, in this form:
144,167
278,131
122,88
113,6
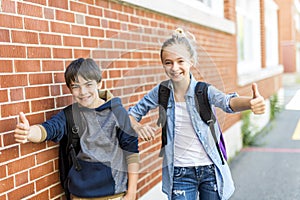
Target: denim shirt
216,98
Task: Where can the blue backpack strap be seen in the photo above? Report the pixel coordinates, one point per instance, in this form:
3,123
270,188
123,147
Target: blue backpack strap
206,114
163,98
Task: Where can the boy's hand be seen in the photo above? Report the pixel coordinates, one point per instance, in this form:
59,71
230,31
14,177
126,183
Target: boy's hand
258,105
22,129
129,197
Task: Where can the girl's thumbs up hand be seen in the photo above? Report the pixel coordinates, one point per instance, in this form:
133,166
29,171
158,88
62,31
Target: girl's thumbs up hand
22,129
258,105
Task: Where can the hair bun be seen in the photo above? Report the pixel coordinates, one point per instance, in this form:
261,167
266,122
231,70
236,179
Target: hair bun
178,33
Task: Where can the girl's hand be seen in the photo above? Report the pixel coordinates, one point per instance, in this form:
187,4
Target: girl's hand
146,132
258,105
22,129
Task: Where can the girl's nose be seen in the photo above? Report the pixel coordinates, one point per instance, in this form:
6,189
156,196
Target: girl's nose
175,66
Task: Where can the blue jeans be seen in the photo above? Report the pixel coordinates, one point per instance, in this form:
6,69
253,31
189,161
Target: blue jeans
191,183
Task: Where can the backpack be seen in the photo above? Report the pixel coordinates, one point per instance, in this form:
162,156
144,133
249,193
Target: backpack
203,107
69,146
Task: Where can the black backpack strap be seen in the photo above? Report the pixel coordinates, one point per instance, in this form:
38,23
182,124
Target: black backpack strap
69,147
206,114
163,98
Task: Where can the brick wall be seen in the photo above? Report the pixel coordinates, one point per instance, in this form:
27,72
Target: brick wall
39,38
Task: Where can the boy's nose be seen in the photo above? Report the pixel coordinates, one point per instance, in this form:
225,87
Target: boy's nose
83,90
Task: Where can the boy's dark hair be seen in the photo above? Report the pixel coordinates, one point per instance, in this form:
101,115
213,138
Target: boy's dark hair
86,68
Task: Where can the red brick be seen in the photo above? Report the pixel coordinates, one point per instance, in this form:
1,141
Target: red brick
35,79
41,2
38,52
45,156
34,119
6,66
65,16
39,196
3,96
21,178
52,65
102,4
10,21
114,25
46,181
9,154
16,94
12,51
63,101
87,1
110,14
14,109
59,78
80,30
48,13
8,124
97,32
6,184
40,105
3,171
4,36
92,21
24,191
40,171
123,17
19,80
50,39
27,65
87,42
95,11
36,92
62,53
72,41
56,191
29,148
55,90
59,4
60,27
78,7
8,6
79,53
28,9
35,24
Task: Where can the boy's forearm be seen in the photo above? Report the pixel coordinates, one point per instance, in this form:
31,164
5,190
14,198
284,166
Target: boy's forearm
133,175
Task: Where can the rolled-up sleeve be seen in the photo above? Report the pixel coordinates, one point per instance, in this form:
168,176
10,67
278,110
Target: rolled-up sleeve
148,102
220,99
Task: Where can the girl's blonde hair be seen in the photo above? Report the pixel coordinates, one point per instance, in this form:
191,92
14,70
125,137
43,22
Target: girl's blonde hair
179,37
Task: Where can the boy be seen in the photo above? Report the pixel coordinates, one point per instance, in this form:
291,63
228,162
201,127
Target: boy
109,146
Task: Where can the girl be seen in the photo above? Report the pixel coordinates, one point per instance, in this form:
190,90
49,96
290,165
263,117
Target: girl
191,166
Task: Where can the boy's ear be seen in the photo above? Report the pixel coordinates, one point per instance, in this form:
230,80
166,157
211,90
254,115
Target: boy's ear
99,85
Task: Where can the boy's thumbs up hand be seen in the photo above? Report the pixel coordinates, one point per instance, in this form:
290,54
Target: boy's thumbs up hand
22,129
257,103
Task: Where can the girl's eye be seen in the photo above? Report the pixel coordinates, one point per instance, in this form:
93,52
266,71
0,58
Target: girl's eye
168,63
74,86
